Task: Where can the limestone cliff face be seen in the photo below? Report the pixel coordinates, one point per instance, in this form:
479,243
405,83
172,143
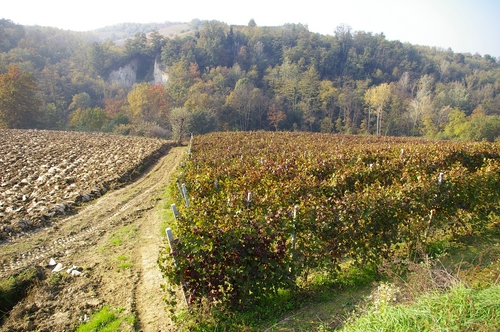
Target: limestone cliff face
125,76
160,76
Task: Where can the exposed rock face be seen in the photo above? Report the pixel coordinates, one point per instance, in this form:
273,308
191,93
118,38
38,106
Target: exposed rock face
160,76
125,76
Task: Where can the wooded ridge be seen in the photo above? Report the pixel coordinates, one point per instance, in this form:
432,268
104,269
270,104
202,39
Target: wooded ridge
214,76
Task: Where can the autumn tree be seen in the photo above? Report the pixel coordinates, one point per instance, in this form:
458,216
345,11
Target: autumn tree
457,125
113,107
328,96
275,116
148,103
18,102
378,97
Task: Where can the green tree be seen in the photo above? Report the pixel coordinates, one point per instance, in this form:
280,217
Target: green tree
179,82
458,97
52,117
137,45
310,103
156,42
214,45
482,127
10,34
326,125
96,58
88,119
18,102
284,80
202,121
80,101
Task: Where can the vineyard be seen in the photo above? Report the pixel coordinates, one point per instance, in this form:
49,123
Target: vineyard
258,212
47,173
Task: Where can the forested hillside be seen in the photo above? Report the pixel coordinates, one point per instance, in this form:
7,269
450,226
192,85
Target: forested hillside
223,77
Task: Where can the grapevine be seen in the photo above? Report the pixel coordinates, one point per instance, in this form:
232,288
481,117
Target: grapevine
266,208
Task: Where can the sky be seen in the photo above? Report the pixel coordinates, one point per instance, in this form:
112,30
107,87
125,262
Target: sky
466,26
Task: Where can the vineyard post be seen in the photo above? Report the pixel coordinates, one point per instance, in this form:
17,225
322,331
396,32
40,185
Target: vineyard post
249,199
176,212
294,235
171,243
185,195
180,189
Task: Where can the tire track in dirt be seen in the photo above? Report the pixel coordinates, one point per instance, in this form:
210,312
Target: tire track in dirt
148,297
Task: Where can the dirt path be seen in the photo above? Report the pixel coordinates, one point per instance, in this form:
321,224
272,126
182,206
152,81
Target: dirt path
114,242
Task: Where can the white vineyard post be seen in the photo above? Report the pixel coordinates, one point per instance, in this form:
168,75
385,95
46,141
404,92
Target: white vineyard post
176,212
185,195
180,189
249,199
440,178
294,235
171,243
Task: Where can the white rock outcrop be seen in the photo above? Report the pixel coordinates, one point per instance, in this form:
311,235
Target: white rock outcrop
125,76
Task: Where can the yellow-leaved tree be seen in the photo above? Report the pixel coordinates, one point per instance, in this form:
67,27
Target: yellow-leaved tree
378,97
18,102
148,103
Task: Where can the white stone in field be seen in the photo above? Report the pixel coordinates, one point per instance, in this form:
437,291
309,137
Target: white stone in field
59,267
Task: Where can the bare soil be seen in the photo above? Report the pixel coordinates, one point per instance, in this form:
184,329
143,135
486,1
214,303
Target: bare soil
114,241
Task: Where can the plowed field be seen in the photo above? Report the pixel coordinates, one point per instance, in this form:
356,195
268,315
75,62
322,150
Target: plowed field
113,240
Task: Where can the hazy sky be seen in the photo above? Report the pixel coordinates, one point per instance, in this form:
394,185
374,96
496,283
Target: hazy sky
463,25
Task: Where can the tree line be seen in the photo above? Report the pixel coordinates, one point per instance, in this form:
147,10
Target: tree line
240,78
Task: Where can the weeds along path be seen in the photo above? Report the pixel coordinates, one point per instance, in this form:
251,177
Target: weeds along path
115,241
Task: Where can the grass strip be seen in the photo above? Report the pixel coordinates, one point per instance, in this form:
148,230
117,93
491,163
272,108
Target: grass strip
459,309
